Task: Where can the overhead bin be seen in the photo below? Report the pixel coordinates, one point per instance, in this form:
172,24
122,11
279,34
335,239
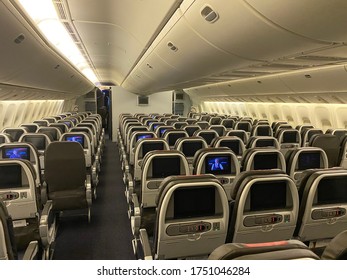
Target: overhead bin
319,80
316,19
30,63
183,56
238,29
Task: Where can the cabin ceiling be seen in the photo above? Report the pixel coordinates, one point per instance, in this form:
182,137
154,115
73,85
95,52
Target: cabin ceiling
150,46
212,49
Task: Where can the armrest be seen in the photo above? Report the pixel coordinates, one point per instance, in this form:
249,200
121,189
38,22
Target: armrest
89,192
126,166
31,251
95,177
135,218
135,200
47,227
130,187
43,193
97,162
146,247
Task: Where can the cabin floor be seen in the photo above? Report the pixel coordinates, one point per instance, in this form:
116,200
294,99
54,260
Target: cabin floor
108,236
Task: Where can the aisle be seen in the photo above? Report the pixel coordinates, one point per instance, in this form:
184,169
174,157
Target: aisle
108,236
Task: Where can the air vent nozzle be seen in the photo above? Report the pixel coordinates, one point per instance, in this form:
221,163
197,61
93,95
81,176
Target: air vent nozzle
209,14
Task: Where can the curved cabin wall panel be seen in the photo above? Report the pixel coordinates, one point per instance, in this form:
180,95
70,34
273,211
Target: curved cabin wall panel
14,113
340,114
287,114
324,117
241,31
29,63
317,19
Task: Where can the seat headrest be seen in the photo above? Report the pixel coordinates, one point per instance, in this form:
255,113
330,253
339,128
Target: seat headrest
252,173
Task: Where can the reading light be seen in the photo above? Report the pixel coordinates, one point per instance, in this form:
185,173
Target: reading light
45,17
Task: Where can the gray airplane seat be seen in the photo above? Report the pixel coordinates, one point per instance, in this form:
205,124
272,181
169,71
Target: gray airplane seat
323,206
53,133
280,125
61,126
180,124
26,151
263,142
191,121
221,162
41,122
191,219
153,126
336,248
189,146
40,141
207,134
239,133
215,121
234,143
98,143
21,197
203,124
190,129
343,152
135,137
91,163
220,129
261,130
228,123
15,133
331,146
244,125
301,159
340,132
67,122
5,138
307,134
96,150
263,159
156,166
288,139
161,129
278,250
31,127
172,135
69,187
264,207
8,248
129,133
142,147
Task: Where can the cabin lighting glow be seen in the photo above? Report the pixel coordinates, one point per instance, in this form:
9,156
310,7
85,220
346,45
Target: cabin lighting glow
44,15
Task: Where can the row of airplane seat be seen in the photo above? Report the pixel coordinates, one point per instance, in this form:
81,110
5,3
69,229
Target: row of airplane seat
285,139
32,187
253,194
191,215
